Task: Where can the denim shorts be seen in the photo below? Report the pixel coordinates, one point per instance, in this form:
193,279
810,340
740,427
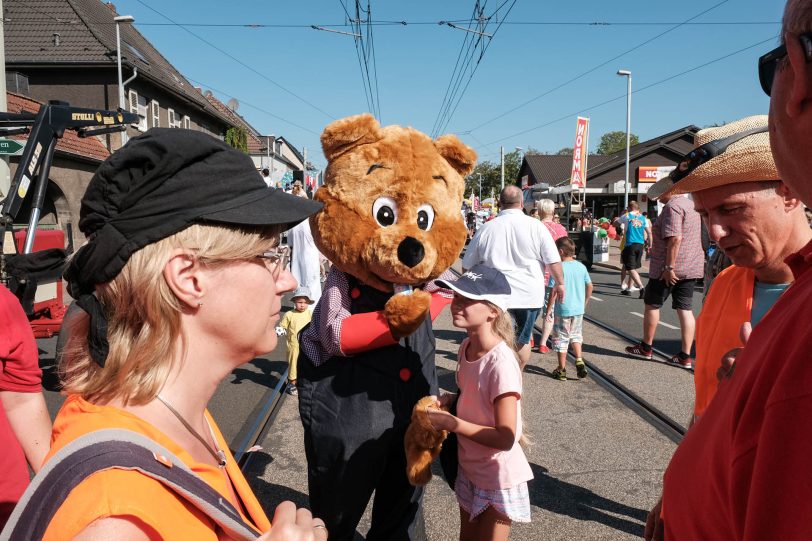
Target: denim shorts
523,321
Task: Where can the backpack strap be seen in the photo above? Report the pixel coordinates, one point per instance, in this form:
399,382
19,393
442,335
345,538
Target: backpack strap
115,449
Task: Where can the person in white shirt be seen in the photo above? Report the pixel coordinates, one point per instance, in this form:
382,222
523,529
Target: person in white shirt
520,247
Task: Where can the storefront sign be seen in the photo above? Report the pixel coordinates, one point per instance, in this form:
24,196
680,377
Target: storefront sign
579,153
652,173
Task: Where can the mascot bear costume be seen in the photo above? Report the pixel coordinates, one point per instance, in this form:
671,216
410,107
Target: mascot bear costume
391,224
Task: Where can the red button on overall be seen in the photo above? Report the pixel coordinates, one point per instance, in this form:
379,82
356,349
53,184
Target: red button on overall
405,374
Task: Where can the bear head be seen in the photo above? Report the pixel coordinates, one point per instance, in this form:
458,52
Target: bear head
392,198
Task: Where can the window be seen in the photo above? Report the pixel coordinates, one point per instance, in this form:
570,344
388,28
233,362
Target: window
187,123
174,119
138,105
155,111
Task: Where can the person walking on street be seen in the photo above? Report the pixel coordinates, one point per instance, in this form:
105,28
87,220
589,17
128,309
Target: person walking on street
636,231
546,214
677,262
521,247
569,313
291,324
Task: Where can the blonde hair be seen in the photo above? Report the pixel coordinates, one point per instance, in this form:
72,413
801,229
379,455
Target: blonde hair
502,327
546,208
144,323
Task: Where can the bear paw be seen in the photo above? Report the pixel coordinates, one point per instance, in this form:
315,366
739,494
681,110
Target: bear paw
405,313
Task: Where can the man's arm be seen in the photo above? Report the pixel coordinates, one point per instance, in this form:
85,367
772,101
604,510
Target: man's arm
671,250
31,424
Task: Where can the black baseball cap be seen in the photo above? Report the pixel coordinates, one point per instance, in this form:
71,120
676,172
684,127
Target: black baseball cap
161,182
481,283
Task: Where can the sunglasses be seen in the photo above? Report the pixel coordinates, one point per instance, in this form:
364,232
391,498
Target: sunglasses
768,64
707,152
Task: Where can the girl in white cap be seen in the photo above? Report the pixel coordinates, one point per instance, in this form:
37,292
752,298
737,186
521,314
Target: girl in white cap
491,483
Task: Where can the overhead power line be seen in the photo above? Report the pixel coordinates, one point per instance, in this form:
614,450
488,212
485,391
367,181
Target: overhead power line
641,89
238,61
593,68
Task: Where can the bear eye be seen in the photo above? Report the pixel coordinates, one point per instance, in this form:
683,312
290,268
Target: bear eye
425,217
385,211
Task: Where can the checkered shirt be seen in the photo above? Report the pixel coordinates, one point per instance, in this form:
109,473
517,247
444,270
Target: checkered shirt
678,219
322,339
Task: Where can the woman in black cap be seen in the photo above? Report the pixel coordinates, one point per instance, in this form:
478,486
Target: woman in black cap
181,281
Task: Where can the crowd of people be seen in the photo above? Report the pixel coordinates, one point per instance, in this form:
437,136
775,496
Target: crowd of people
199,262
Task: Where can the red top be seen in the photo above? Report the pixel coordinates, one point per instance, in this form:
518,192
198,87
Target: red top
19,373
744,470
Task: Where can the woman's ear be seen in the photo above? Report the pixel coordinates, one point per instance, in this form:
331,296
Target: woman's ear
183,276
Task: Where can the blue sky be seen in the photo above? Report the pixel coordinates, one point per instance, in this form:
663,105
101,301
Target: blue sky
522,61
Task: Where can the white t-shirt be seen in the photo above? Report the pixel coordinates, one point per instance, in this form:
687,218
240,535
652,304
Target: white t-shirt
519,246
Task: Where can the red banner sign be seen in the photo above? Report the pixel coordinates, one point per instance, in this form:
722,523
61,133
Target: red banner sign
579,152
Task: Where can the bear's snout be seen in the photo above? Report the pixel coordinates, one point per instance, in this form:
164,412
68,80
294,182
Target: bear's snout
411,252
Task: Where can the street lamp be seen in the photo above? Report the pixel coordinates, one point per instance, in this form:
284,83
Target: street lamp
628,74
121,19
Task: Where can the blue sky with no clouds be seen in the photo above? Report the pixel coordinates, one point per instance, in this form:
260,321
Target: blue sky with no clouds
320,77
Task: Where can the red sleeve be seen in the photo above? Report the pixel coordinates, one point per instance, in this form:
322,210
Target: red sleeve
18,350
365,332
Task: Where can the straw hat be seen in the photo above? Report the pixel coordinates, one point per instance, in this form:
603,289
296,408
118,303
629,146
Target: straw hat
746,160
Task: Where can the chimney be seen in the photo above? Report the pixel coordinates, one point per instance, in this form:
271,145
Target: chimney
112,7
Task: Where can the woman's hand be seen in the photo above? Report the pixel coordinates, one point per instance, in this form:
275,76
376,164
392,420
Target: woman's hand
441,420
291,524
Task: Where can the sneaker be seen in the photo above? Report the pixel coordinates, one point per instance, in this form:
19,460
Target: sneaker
560,374
642,292
687,363
581,369
544,349
291,390
625,292
638,351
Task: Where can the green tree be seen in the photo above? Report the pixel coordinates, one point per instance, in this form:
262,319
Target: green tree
615,140
567,151
237,137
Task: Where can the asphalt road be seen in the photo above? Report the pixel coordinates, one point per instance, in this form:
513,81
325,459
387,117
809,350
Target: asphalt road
625,313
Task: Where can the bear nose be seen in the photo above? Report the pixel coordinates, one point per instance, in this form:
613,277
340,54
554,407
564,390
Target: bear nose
410,252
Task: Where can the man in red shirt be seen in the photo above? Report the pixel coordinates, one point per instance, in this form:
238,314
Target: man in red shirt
25,426
743,471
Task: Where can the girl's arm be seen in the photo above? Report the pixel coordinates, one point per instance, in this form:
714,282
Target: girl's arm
500,437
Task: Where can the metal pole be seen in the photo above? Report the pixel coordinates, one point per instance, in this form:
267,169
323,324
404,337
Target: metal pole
480,189
502,161
628,137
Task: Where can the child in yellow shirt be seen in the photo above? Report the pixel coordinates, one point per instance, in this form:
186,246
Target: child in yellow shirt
293,322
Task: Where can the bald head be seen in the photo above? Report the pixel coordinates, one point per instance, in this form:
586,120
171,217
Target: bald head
510,197
797,17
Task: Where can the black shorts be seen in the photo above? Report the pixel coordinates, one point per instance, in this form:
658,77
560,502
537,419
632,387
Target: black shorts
682,293
632,256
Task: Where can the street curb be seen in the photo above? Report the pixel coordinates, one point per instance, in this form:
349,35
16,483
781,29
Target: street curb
606,265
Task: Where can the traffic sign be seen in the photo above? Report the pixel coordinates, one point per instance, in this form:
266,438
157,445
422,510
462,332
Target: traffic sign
11,147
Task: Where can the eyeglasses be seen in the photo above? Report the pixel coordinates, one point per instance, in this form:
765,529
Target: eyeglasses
768,64
276,260
707,152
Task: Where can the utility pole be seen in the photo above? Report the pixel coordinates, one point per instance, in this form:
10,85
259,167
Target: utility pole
480,189
628,75
5,176
502,161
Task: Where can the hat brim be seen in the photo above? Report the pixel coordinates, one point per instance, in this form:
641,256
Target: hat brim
267,207
468,295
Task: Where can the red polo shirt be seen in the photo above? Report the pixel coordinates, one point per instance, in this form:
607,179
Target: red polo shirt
744,471
19,373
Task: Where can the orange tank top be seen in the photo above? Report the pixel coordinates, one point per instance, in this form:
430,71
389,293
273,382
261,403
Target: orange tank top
119,493
728,305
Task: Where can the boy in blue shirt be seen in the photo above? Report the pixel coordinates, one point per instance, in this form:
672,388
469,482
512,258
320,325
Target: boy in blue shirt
569,314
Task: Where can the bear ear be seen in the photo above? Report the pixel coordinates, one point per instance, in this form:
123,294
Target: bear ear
458,154
344,134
